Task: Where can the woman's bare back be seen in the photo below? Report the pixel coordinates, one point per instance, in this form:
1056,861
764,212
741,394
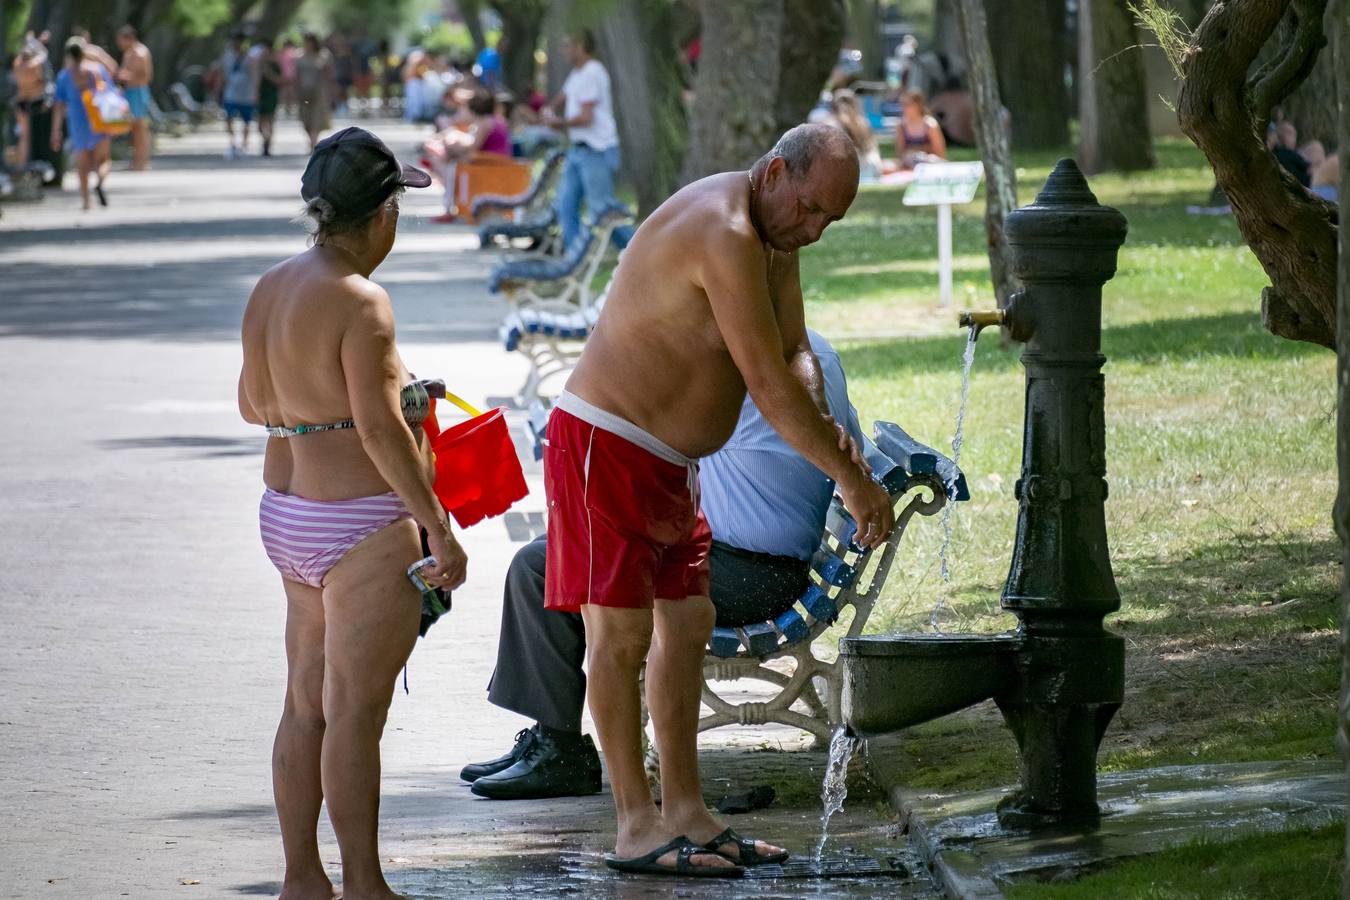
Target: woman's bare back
293,331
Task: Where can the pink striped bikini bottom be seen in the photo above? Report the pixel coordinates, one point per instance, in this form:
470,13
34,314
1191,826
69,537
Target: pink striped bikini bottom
306,538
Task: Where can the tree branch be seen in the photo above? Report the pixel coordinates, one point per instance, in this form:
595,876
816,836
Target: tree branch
1294,60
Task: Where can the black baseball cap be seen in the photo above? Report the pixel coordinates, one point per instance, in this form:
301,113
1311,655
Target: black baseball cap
355,172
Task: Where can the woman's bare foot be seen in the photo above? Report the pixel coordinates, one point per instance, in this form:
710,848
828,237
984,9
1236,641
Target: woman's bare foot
639,839
701,827
315,886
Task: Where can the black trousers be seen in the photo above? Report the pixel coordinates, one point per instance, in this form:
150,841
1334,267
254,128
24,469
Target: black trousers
540,651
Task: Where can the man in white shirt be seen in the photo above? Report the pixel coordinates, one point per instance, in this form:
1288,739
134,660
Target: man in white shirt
587,107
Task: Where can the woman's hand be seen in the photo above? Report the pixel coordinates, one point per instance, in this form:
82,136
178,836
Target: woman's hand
452,562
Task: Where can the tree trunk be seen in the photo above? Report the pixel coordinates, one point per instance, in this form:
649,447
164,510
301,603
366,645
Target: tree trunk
733,119
999,175
1339,27
864,30
521,24
1030,54
472,13
1292,232
1113,94
637,45
813,31
947,39
557,22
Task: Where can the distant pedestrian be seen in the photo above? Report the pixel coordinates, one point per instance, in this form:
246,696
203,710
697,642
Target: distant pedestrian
239,98
587,107
269,91
31,85
314,88
90,147
135,75
287,60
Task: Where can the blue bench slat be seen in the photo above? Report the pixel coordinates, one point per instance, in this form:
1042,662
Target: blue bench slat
725,642
761,639
820,605
840,524
793,626
833,570
920,459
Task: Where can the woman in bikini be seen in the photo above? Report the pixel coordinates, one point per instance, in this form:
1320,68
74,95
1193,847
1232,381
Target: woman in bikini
348,475
918,137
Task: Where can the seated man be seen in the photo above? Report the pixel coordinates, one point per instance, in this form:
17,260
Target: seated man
766,506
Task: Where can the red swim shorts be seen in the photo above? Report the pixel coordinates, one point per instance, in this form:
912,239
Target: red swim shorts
623,523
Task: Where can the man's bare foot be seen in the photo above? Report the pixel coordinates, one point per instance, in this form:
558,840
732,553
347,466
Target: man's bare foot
702,827
640,839
310,887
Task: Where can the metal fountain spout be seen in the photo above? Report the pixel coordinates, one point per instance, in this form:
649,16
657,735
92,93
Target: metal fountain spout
981,319
1059,678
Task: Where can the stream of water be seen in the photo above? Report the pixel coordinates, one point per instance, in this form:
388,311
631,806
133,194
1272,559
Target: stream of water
835,787
935,618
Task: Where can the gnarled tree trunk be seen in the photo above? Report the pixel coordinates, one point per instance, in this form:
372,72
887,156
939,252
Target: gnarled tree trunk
1112,92
1292,232
733,120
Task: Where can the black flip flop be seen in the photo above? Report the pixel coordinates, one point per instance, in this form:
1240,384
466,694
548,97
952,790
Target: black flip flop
749,856
685,849
98,191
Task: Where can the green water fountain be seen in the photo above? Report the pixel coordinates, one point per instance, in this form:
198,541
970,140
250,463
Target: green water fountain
1059,677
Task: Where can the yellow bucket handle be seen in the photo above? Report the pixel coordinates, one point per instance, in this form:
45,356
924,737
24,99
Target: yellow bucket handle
463,404
436,390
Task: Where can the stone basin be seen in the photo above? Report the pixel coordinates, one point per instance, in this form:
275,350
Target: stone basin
894,681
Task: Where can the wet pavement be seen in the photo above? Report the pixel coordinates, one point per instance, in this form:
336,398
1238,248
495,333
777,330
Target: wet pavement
142,669
1142,812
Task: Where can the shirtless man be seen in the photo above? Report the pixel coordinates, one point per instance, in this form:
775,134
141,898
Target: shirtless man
705,304
30,79
135,75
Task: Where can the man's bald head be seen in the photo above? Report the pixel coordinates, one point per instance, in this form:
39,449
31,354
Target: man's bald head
807,181
802,146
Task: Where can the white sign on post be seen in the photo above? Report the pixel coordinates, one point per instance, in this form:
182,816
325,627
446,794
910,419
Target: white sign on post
942,185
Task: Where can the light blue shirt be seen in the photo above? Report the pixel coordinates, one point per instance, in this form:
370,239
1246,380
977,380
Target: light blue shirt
758,493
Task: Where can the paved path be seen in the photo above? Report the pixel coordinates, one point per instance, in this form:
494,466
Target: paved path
142,664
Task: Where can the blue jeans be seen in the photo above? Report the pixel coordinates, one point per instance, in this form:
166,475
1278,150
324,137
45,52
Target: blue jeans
590,174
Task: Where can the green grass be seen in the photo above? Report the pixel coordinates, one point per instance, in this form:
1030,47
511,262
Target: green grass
1295,865
1220,459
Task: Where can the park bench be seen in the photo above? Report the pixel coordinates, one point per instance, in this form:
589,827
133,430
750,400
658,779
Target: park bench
555,307
842,576
920,481
560,283
526,214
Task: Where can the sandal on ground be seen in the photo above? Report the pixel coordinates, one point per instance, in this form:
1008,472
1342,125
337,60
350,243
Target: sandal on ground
684,865
102,197
749,856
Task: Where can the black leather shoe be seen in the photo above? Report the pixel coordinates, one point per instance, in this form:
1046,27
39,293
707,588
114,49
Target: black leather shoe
547,769
524,740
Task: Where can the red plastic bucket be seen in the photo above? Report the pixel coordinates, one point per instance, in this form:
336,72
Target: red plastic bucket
477,471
